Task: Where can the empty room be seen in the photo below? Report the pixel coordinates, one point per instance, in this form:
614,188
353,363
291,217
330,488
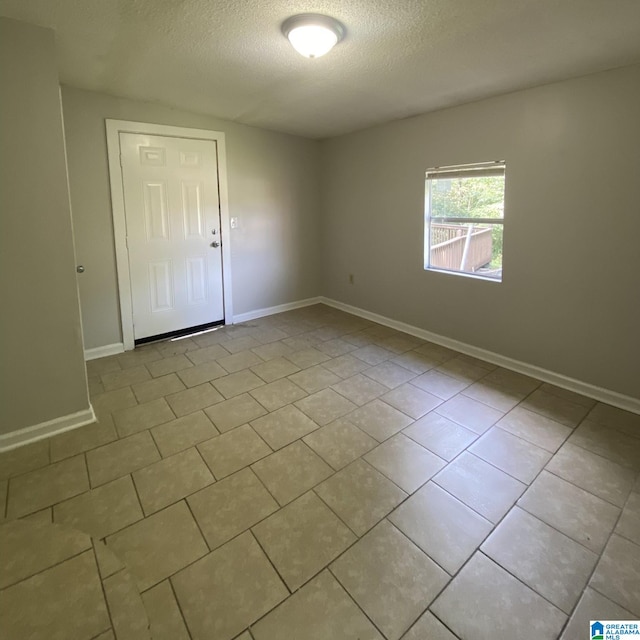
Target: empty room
393,390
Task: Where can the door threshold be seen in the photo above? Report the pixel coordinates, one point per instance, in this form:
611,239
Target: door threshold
180,333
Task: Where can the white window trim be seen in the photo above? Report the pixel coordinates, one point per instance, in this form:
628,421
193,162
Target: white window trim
475,170
114,128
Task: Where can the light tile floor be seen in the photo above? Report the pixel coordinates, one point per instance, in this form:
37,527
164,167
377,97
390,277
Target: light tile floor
313,475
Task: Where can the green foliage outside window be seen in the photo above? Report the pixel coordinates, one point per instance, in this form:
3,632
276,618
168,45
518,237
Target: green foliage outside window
471,198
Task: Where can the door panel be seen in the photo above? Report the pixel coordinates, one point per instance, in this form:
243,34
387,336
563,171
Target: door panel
197,280
172,217
192,210
161,286
155,211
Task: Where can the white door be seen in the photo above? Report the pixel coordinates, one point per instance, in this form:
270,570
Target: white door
173,232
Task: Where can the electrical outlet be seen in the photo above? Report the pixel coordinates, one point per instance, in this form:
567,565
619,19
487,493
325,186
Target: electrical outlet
351,278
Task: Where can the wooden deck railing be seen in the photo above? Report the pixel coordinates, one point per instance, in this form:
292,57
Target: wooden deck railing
459,248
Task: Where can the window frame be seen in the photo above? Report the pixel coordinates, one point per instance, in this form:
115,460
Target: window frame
474,170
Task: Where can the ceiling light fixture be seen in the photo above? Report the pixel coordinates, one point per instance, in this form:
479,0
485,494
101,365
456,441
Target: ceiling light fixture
313,34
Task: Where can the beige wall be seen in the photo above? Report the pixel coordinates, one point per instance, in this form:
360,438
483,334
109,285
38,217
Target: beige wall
570,298
43,373
273,190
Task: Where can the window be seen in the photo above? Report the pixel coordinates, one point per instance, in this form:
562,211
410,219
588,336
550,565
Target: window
464,219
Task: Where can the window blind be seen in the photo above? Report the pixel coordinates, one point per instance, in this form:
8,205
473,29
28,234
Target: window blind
481,170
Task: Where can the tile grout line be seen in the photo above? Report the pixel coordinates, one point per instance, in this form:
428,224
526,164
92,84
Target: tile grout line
145,515
449,575
193,515
155,584
175,597
355,602
315,493
477,551
601,554
273,566
115,531
495,466
86,468
585,448
131,471
385,517
102,588
593,571
499,522
415,544
464,448
5,509
447,462
46,506
577,486
312,490
383,474
53,565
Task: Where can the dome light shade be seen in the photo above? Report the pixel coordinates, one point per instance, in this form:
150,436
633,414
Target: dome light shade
312,35
312,41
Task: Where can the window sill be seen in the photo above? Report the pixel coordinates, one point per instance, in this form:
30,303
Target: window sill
474,276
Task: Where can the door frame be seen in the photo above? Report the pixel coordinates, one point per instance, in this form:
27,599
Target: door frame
114,129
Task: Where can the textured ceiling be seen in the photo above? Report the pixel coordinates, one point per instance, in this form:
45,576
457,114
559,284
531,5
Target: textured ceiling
399,58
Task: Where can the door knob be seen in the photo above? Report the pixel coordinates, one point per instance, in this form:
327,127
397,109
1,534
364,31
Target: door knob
80,269
215,244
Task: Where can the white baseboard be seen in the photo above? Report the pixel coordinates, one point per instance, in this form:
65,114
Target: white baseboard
280,308
103,352
592,391
35,432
